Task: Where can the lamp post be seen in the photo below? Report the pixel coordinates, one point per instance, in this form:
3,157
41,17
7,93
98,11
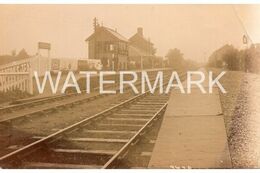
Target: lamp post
141,62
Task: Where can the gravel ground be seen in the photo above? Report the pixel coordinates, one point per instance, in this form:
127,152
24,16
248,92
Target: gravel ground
241,110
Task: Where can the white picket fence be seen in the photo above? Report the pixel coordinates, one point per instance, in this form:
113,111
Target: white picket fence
19,74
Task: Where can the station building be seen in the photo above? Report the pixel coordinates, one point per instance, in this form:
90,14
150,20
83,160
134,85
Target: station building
141,49
109,46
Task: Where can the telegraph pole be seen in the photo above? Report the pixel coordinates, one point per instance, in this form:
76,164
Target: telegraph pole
245,42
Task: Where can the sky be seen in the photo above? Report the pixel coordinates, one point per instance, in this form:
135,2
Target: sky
197,30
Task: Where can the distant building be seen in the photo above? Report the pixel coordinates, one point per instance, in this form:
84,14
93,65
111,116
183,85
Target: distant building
141,48
109,46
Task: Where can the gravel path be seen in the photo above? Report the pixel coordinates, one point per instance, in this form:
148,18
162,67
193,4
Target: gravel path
241,107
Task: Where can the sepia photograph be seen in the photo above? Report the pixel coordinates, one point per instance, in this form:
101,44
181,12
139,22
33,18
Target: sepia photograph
129,86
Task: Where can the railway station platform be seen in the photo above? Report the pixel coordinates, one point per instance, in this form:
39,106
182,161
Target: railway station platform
192,133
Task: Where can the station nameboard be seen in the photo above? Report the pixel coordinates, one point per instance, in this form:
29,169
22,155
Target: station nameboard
43,45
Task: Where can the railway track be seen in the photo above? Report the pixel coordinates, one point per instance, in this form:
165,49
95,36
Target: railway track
18,105
99,141
77,99
39,101
106,135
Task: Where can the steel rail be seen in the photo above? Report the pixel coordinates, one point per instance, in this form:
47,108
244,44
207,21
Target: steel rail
40,100
121,152
31,147
53,107
28,149
48,98
9,119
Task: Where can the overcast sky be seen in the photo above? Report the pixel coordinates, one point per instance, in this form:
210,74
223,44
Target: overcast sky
195,29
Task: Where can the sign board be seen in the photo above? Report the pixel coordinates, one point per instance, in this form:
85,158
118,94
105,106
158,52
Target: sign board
244,39
43,45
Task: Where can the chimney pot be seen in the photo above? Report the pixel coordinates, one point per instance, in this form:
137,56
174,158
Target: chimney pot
140,31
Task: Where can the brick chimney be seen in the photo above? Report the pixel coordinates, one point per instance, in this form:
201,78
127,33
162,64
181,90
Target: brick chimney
140,31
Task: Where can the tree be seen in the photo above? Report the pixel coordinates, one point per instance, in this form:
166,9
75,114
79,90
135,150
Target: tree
226,56
175,58
230,57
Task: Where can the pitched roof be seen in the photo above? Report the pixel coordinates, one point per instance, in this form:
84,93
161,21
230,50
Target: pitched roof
134,51
111,31
137,36
117,35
